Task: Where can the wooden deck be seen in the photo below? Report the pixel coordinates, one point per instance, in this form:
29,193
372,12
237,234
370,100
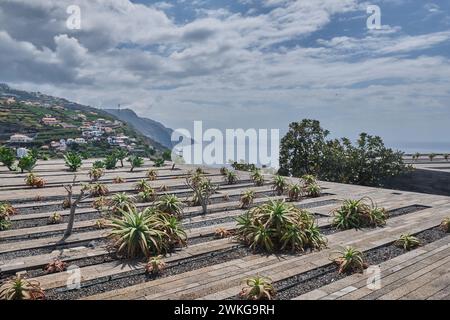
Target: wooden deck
422,273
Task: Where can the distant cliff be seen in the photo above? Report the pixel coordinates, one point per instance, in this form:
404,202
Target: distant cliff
151,128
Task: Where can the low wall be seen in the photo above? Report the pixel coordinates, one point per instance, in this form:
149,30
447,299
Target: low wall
424,181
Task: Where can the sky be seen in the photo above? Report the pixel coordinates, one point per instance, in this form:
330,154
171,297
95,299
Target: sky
242,63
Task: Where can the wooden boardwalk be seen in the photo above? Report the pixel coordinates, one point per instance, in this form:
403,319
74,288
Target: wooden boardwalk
422,273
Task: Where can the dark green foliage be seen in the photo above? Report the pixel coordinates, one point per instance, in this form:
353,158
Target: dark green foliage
27,163
167,155
120,155
136,162
7,157
73,161
242,166
306,150
158,162
277,225
98,165
110,162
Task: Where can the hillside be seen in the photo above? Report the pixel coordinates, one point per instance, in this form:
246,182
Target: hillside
46,120
148,127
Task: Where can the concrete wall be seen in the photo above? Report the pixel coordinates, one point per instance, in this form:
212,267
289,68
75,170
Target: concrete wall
424,181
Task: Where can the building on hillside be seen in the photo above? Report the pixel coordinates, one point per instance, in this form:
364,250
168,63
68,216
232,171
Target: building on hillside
92,133
10,100
80,141
49,120
20,138
68,125
59,145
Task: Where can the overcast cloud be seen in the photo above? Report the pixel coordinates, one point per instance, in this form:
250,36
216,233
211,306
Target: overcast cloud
242,63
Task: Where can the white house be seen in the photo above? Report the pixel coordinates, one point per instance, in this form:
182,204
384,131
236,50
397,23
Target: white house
21,152
18,138
49,121
80,141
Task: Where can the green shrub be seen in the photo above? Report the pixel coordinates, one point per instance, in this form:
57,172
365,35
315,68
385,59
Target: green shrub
258,288
350,260
27,163
146,233
7,158
170,204
136,162
306,150
110,162
407,242
246,199
279,185
277,225
18,288
158,162
356,214
73,161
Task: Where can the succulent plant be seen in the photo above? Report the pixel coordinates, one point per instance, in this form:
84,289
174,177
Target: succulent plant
55,266
350,260
258,288
155,265
18,288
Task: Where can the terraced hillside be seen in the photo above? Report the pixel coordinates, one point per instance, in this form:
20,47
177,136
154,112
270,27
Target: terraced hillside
213,268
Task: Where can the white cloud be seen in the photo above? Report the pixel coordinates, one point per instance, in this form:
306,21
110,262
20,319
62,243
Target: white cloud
223,67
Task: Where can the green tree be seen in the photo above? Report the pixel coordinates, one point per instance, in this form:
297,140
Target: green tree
120,155
136,162
167,155
110,161
27,163
302,148
305,150
7,157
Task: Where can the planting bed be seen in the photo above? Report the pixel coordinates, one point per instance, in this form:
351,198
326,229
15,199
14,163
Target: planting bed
208,268
316,278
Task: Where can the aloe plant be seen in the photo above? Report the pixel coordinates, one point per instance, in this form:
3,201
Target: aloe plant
277,225
350,260
19,288
73,161
356,214
407,242
258,288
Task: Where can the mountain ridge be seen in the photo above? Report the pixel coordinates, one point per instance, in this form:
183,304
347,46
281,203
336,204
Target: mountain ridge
149,127
23,112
